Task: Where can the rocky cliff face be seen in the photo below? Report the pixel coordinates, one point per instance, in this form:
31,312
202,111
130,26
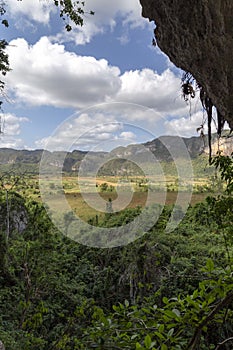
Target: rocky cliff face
198,37
223,144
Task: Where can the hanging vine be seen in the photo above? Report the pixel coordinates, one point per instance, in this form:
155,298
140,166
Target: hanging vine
189,87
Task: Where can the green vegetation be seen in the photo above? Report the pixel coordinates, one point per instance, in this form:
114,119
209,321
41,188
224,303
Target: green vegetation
163,291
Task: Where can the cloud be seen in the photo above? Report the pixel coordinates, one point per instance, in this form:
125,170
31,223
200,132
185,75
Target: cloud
83,131
90,131
106,10
107,14
124,39
187,126
38,11
46,74
148,88
10,130
11,124
128,135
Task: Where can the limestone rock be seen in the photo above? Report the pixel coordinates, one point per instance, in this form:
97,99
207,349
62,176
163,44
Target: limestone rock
2,347
223,144
198,37
18,216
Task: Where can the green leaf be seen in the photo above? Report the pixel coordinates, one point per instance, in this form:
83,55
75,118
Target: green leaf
68,28
210,265
147,341
115,308
134,336
195,294
161,328
5,23
164,347
170,333
177,312
159,335
211,299
126,303
170,313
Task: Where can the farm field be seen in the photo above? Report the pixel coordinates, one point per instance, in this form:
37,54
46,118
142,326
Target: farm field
85,212
72,184
133,192
123,192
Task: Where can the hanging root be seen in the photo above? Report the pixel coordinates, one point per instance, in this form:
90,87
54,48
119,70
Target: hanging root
221,123
188,83
208,106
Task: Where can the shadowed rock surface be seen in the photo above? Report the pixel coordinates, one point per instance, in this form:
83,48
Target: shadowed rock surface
198,37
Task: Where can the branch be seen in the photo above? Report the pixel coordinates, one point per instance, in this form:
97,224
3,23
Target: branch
224,342
197,334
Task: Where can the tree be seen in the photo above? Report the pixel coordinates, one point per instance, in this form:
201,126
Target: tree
225,165
183,322
8,183
4,62
73,10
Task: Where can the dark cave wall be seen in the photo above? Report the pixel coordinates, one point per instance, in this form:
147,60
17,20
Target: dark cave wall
198,37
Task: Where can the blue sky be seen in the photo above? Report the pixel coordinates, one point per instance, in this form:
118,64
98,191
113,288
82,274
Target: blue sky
101,84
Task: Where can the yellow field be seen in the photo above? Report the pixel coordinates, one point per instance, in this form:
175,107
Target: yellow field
72,184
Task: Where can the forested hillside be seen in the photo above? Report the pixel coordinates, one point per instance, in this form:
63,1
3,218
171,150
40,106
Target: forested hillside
166,290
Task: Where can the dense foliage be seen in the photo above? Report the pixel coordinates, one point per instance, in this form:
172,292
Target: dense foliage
164,291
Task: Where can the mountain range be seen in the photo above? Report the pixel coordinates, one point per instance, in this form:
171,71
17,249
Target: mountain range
164,149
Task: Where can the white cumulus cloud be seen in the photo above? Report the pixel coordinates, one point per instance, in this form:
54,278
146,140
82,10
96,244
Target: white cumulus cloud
10,131
82,131
107,13
187,126
38,11
46,74
128,135
148,88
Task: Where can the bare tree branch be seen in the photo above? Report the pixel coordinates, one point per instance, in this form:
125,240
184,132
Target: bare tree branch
224,342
